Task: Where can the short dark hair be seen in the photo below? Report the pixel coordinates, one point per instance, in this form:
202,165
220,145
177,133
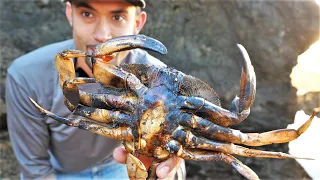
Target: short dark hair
140,3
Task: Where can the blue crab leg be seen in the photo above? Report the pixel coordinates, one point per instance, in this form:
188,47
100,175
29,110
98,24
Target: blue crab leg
217,132
189,140
204,155
120,133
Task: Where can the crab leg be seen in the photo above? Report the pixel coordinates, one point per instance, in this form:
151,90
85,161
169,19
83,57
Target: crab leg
135,168
247,87
152,171
212,112
67,76
122,102
204,155
74,96
65,64
240,108
121,133
213,131
71,91
189,140
102,115
110,75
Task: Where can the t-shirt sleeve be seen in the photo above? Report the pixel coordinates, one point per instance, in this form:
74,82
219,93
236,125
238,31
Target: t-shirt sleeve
28,131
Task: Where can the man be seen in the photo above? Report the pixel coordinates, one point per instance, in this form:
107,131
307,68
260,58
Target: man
46,148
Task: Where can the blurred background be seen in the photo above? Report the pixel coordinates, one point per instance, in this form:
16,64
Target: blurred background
201,38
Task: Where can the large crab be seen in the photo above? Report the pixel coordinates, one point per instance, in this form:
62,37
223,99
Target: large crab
161,112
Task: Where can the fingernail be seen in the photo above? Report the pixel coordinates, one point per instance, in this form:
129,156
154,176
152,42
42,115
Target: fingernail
164,171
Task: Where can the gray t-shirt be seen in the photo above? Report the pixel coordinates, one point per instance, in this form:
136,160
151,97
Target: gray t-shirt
42,144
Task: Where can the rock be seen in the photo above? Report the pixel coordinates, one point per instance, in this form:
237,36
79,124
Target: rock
8,163
201,38
309,101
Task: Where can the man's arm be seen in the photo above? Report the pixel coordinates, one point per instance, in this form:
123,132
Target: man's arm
28,131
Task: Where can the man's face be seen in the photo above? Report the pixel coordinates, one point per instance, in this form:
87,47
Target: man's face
95,22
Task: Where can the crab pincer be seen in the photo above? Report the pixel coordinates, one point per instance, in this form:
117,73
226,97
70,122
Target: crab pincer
100,56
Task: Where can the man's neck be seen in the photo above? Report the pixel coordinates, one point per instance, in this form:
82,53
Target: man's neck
81,63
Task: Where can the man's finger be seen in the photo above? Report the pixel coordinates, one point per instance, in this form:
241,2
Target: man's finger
120,155
165,168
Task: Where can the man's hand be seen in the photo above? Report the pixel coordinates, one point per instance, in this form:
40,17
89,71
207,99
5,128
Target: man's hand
165,170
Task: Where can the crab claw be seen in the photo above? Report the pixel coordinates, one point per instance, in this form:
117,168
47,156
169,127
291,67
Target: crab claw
247,83
123,43
135,168
241,105
110,75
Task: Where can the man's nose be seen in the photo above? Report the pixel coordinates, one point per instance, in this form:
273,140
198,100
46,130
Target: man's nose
102,32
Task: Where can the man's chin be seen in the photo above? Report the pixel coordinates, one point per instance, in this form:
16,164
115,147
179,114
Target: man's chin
90,50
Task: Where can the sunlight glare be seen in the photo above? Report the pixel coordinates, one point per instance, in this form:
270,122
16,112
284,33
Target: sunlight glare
305,145
305,76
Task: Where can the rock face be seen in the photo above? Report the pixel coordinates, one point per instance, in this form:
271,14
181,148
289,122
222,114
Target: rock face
201,38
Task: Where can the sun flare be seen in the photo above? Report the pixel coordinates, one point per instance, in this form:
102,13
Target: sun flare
305,76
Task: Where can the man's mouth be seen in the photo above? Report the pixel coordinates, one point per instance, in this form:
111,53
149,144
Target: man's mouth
90,48
106,58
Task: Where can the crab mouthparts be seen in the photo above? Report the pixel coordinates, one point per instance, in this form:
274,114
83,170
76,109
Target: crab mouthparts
108,58
105,58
